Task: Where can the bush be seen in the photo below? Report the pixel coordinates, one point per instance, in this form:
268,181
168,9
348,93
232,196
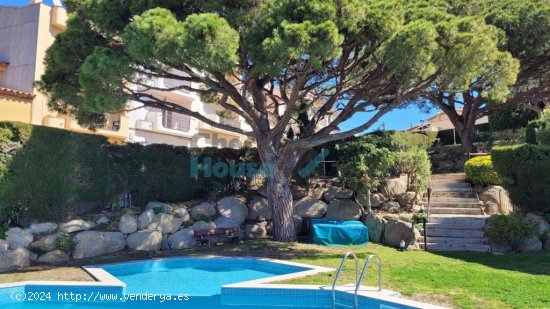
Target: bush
510,230
525,173
543,131
65,243
416,164
531,131
422,140
364,162
510,117
93,172
480,171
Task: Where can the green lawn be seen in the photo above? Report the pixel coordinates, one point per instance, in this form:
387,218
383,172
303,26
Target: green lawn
461,280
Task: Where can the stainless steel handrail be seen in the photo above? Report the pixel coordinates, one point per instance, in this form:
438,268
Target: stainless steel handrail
358,285
348,254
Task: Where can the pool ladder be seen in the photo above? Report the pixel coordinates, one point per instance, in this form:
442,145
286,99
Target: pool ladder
358,279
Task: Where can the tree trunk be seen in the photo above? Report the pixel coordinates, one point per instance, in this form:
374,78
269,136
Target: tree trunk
467,138
279,197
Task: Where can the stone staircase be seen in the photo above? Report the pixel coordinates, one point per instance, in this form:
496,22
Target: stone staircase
456,221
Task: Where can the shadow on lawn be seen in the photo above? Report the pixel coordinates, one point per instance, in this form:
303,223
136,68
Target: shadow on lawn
536,263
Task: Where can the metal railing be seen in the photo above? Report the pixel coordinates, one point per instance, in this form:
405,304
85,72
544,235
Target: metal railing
363,272
176,121
348,254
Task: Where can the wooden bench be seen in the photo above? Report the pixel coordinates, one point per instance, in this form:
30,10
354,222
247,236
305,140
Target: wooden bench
204,236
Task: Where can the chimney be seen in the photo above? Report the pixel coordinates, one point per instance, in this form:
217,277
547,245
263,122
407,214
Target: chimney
36,1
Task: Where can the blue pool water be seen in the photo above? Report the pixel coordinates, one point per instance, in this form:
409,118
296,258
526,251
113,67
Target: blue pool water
197,282
196,277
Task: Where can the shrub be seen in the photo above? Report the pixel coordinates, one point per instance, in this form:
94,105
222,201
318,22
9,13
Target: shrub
416,164
543,131
38,250
364,162
510,117
422,140
525,173
34,184
531,131
510,230
65,243
480,171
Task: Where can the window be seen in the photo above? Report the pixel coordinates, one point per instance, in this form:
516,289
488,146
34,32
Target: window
112,122
176,121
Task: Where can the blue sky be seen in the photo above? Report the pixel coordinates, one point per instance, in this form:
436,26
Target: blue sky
400,119
20,2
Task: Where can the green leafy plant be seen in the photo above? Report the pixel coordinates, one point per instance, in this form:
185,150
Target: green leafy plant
202,217
543,131
415,163
525,174
531,131
510,230
38,250
4,230
418,220
65,243
480,171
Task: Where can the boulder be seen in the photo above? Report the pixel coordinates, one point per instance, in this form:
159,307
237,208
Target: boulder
375,224
56,256
15,258
202,210
145,219
376,199
47,242
165,208
33,256
203,225
396,230
391,207
93,243
392,187
491,208
255,230
343,210
407,200
18,238
144,240
544,227
259,210
336,193
317,192
407,217
298,192
496,195
223,222
102,220
182,213
546,245
310,208
75,226
234,208
4,246
167,224
182,239
42,228
127,224
531,244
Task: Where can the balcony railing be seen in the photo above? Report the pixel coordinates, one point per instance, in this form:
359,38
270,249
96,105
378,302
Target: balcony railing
112,122
175,121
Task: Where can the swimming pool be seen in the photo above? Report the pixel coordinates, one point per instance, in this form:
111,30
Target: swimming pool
197,283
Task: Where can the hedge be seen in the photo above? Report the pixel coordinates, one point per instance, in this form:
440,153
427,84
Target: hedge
531,131
48,173
525,173
480,171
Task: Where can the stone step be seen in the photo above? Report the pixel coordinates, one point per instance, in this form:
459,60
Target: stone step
455,210
451,186
456,247
455,240
451,199
468,220
448,176
452,205
454,233
477,225
464,193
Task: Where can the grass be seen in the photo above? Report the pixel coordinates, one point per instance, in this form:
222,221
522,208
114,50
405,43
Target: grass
460,280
